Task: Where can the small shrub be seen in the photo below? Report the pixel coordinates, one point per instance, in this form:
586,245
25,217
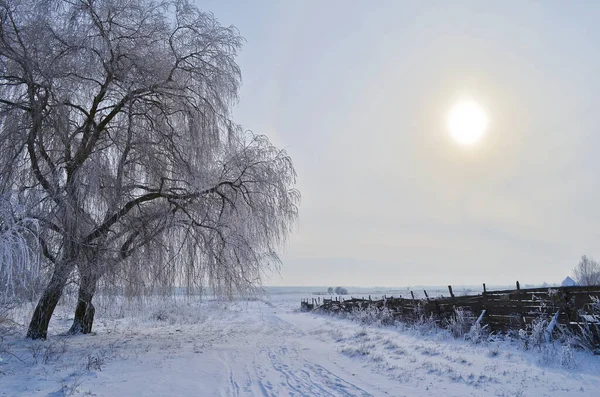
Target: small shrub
36,349
160,315
47,352
587,338
337,335
6,353
360,349
430,351
373,316
5,319
534,336
460,323
389,344
556,353
94,362
478,333
426,324
566,357
377,358
584,337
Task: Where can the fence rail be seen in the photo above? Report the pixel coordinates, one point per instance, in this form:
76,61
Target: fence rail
500,310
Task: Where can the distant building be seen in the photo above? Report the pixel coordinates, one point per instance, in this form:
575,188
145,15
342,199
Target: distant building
569,282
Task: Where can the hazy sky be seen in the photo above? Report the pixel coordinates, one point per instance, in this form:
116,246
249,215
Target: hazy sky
358,93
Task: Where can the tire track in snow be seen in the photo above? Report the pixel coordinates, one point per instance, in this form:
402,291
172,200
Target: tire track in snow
275,364
234,387
280,371
301,375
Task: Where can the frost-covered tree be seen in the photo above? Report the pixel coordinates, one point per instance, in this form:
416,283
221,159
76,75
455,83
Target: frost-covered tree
115,128
20,271
587,271
341,291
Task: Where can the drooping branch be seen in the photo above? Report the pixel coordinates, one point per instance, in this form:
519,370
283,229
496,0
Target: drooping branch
106,225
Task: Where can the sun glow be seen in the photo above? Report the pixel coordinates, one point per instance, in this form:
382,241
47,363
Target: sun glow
467,122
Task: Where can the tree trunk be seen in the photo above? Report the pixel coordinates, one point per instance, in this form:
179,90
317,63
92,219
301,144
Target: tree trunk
84,312
38,327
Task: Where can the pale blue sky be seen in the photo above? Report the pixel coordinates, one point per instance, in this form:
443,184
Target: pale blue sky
358,93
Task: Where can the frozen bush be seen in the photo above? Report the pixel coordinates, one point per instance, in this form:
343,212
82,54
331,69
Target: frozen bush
95,362
553,353
534,336
373,316
567,356
362,348
460,323
584,337
478,333
426,324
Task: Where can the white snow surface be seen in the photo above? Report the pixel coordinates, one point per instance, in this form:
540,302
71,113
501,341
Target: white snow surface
266,347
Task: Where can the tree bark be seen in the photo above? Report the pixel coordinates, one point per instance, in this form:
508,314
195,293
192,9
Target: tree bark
85,310
38,327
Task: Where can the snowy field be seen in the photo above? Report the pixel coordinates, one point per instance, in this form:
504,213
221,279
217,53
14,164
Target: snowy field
266,347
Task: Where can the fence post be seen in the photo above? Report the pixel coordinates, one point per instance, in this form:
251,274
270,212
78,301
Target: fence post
451,293
426,296
484,305
520,305
550,328
478,320
567,304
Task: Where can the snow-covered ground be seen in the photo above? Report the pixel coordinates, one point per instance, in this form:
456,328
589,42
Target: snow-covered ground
267,348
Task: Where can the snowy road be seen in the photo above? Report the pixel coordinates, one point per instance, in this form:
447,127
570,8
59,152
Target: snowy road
262,349
264,353
265,348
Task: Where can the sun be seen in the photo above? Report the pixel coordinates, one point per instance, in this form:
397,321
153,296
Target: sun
467,122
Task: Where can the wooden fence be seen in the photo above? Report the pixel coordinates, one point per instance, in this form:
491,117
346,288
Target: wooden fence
500,310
